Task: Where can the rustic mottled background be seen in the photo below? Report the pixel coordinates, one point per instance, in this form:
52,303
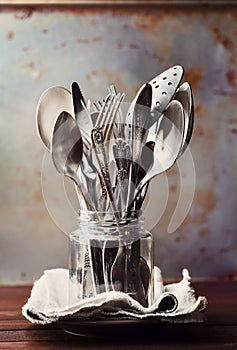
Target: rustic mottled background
126,46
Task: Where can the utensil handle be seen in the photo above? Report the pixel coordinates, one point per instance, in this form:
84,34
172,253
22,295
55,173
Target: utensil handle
122,156
98,144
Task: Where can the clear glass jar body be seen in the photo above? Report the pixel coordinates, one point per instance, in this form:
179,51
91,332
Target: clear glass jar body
105,255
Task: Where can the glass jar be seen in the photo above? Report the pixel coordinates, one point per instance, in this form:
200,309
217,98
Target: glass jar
111,255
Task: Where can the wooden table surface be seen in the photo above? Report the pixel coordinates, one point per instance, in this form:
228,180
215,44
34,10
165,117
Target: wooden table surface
218,332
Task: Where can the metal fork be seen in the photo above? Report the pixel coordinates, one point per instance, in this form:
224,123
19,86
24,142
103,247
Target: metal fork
100,135
122,156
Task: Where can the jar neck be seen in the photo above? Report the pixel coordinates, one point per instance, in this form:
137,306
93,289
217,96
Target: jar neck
103,226
108,219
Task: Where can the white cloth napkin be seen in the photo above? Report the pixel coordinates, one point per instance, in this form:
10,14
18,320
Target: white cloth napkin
49,301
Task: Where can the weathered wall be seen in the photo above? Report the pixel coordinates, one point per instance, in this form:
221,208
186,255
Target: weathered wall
46,46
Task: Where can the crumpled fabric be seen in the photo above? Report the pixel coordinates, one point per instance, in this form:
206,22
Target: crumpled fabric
49,301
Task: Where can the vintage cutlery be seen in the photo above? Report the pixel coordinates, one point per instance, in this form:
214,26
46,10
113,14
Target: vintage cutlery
67,150
100,135
167,143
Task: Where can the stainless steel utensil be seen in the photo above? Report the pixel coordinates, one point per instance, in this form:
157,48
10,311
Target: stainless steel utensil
185,97
164,87
82,115
138,119
141,116
100,135
122,156
146,162
167,143
87,174
77,98
67,150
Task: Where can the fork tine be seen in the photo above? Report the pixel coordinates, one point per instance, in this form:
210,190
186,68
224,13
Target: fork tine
116,109
112,114
120,100
96,107
113,91
110,110
102,111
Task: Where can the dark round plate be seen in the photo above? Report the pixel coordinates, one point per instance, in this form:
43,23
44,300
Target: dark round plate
106,328
127,329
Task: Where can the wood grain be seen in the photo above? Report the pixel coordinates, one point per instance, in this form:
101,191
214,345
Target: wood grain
219,332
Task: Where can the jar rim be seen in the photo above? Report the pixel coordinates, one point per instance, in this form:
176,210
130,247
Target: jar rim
129,212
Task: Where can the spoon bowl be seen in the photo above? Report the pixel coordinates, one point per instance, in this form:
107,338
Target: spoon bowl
51,103
67,151
168,142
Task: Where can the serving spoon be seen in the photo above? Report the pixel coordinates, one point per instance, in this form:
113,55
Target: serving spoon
168,142
163,88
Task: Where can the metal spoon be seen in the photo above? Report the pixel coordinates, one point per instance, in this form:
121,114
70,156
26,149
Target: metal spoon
51,103
71,139
185,97
167,143
67,150
138,116
147,159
